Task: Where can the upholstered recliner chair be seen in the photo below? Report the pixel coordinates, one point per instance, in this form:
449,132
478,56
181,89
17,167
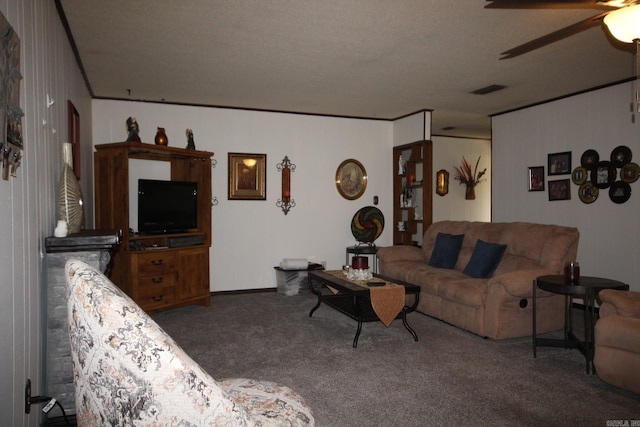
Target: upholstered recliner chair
617,339
128,371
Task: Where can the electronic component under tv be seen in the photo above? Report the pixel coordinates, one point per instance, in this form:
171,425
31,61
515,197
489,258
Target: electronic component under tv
167,206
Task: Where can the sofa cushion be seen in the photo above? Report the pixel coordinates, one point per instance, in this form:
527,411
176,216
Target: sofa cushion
446,250
485,259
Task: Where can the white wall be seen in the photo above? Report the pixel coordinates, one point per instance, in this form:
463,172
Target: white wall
28,200
412,128
251,237
600,120
447,153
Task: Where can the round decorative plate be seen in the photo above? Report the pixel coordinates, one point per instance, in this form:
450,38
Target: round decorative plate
619,192
604,174
620,156
589,159
630,172
367,224
588,193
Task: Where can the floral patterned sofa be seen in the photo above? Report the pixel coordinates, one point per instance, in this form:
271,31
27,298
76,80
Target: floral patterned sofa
128,371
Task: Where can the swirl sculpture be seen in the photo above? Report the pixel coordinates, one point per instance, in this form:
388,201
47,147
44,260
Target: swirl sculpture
367,224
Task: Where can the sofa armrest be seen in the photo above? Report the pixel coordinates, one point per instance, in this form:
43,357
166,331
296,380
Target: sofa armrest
622,303
400,253
519,283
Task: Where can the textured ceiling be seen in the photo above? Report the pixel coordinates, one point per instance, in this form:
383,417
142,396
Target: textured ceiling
358,58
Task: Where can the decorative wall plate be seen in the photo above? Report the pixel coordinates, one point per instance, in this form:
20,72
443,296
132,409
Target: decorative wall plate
604,174
351,179
588,193
630,172
579,175
367,224
620,156
619,192
589,159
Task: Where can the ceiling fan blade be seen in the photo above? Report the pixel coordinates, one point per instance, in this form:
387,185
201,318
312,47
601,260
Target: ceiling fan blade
554,36
560,4
539,4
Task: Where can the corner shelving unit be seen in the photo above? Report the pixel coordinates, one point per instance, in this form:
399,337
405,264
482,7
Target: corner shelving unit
415,180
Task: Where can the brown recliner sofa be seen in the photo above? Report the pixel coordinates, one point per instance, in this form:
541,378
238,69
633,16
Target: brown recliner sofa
498,306
617,339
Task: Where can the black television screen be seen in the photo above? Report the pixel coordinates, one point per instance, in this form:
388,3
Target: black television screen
167,206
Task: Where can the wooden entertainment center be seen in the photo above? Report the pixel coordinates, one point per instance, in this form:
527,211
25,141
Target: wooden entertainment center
158,271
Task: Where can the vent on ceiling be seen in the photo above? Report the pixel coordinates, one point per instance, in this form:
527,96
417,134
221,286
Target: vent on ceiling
488,89
448,128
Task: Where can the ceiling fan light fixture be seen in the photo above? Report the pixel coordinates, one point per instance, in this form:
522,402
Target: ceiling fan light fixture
624,23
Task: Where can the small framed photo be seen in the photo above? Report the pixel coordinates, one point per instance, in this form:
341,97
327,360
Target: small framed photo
559,163
247,176
560,190
630,172
589,159
536,178
579,175
604,174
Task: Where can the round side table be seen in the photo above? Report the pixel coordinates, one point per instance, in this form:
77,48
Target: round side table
588,288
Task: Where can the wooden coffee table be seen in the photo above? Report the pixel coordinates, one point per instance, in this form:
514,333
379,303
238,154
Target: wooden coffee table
354,300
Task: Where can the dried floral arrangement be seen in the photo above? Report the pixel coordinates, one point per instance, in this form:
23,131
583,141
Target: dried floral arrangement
464,175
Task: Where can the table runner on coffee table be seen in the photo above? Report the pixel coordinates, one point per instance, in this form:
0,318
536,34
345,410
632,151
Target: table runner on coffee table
387,301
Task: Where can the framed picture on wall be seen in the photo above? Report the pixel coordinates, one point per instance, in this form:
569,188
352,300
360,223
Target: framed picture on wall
536,178
560,190
247,176
559,163
604,174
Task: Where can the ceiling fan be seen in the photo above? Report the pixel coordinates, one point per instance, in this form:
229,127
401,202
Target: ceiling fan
616,15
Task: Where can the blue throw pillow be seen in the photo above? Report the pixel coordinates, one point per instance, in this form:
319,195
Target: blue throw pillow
446,250
485,259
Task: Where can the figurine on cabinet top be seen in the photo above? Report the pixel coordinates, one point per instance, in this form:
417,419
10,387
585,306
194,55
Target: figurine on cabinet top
191,145
133,129
401,165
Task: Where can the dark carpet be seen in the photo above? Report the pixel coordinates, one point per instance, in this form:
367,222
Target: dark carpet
448,377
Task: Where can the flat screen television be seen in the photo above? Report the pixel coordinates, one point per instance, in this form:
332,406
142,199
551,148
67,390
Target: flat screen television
167,206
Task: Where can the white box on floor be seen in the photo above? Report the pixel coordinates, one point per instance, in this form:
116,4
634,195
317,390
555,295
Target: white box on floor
294,282
291,282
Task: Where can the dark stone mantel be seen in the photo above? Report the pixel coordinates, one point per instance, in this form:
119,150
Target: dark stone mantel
95,248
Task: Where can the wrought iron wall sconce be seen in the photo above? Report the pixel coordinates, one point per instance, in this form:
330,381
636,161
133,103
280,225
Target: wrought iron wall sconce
442,182
286,202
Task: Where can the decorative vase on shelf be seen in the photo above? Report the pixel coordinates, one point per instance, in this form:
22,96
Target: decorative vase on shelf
161,137
70,204
471,192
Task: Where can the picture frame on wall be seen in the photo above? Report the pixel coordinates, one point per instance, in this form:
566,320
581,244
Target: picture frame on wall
560,190
247,176
536,178
73,121
604,174
351,179
559,163
579,175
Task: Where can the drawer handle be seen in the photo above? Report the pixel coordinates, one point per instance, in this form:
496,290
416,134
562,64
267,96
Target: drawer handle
156,279
157,299
156,261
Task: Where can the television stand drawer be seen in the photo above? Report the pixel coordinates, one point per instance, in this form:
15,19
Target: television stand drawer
154,263
156,298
